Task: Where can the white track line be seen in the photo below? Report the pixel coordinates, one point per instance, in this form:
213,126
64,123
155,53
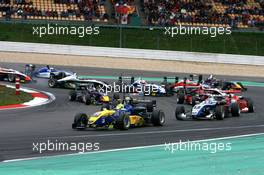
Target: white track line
130,148
161,132
36,101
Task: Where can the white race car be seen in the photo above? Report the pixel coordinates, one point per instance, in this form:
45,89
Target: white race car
11,74
43,72
61,80
141,86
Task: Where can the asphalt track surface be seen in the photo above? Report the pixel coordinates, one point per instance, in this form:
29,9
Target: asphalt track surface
21,128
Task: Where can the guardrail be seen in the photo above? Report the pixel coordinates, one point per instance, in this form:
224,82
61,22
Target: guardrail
130,53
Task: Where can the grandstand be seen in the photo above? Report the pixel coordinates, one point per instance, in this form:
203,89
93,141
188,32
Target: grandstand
90,10
211,13
241,14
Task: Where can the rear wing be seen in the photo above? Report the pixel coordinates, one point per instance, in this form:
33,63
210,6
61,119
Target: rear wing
199,79
191,78
165,79
137,101
128,78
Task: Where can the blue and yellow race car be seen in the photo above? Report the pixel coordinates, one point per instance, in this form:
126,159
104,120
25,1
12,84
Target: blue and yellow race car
123,116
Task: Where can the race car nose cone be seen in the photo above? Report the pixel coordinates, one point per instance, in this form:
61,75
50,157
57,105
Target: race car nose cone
27,78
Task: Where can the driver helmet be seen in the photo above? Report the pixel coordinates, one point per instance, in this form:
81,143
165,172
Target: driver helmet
211,77
128,100
119,106
143,82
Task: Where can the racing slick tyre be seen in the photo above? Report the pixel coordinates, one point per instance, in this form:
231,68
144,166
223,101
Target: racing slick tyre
105,106
11,77
193,101
235,110
250,105
80,121
116,96
179,112
87,99
72,95
180,98
52,83
123,122
158,118
219,112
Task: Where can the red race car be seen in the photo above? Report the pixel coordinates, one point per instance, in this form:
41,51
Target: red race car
235,103
10,75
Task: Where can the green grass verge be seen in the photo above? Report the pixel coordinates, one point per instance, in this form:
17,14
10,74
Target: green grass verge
8,97
236,43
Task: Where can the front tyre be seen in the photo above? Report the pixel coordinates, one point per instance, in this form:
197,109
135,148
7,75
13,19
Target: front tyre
123,122
52,83
11,78
72,95
250,105
158,118
235,110
180,112
80,121
219,112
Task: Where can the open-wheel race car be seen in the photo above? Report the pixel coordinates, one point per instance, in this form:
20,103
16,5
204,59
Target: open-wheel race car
210,82
88,94
207,109
11,74
44,71
216,107
133,113
62,80
196,95
142,86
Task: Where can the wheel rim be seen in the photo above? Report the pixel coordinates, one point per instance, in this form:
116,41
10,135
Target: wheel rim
10,78
51,83
82,121
162,118
182,115
84,99
126,122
